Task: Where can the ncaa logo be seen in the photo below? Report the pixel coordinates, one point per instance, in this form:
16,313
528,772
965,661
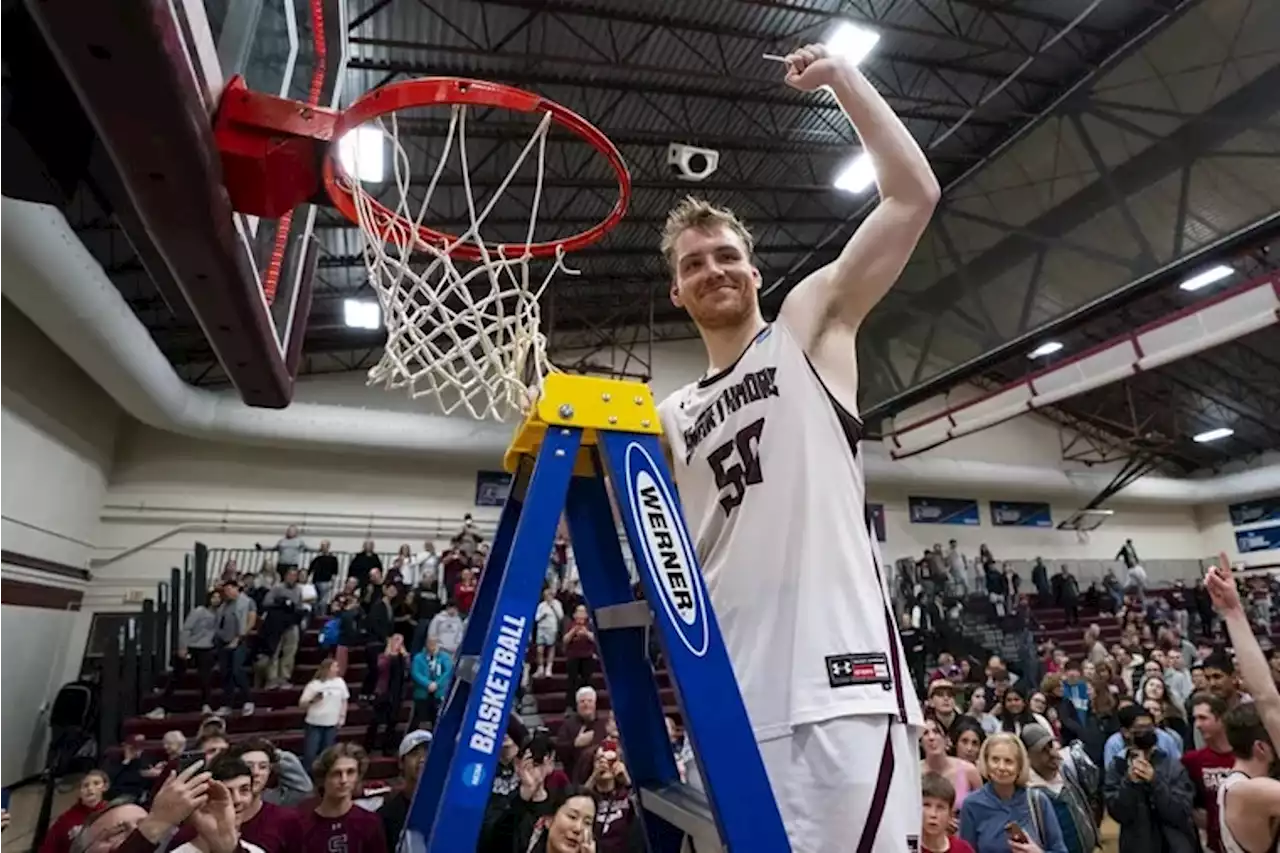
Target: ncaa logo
473,775
668,555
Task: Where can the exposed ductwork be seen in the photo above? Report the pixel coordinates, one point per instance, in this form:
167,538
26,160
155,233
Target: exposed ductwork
60,286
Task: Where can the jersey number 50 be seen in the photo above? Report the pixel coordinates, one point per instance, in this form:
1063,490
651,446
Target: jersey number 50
736,465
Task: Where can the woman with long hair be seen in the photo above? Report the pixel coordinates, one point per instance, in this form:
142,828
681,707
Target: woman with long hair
325,700
1017,712
569,826
388,692
962,775
1154,690
967,737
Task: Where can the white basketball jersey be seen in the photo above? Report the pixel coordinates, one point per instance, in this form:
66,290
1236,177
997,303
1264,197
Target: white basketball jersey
1229,843
768,469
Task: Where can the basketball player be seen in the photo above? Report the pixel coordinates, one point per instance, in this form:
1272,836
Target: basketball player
1248,796
766,457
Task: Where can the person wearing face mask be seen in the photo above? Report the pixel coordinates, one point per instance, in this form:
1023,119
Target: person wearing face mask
1148,791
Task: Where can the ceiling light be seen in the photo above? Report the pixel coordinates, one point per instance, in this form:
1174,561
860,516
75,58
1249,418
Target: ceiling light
1047,348
857,176
361,315
852,41
1214,434
1207,277
361,153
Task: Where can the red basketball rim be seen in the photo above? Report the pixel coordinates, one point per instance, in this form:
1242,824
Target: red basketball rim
439,91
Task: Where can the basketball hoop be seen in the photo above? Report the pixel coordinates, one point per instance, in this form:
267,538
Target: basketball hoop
462,314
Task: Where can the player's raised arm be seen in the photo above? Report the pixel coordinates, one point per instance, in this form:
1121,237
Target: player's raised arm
839,295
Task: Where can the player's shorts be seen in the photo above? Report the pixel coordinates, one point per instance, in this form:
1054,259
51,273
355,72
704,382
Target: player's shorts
847,784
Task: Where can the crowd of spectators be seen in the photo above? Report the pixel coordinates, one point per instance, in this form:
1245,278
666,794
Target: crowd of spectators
1025,758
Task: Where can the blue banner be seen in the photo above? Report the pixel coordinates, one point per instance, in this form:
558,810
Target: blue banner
1020,514
943,511
1252,512
1258,539
492,488
875,516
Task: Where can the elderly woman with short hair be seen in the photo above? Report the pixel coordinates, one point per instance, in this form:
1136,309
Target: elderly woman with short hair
1004,815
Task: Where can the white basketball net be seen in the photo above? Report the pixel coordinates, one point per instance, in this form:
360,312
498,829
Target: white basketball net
468,333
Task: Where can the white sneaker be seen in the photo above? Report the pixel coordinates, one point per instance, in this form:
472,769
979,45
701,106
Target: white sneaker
247,710
206,710
156,713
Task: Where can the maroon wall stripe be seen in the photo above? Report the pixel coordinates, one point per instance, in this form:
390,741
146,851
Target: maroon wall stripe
39,564
21,593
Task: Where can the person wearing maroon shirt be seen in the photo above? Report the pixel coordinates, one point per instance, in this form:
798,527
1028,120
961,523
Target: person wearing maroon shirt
939,807
270,827
616,826
1209,765
336,823
93,790
464,594
579,652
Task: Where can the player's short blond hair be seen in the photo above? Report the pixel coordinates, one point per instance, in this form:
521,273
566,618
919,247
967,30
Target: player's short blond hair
694,212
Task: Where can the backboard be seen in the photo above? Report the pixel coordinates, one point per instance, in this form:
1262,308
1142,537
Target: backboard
296,49
148,77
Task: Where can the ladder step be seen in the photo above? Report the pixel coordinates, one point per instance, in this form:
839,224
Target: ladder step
686,809
632,614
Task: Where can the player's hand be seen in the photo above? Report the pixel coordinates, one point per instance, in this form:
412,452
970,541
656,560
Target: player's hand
1222,588
812,67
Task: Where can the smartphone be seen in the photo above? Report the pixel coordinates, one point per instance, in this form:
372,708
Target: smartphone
188,758
609,749
4,799
1014,833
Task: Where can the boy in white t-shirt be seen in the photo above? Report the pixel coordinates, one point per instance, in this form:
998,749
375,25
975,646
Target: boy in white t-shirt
547,619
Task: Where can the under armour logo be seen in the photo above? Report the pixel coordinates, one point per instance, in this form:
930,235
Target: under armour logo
859,670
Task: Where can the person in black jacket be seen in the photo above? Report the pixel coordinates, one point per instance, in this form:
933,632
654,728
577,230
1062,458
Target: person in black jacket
322,571
379,622
362,562
395,811
390,671
426,603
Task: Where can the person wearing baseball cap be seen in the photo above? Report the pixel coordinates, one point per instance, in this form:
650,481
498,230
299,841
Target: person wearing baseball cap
394,812
128,771
942,704
1063,790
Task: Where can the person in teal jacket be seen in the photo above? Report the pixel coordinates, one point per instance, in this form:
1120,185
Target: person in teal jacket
430,670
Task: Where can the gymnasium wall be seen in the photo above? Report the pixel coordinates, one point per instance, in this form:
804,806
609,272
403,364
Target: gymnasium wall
58,432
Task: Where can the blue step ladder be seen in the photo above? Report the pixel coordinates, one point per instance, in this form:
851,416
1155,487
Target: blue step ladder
583,429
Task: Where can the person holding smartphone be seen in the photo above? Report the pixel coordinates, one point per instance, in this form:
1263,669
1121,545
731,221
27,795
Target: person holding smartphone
1004,815
1148,791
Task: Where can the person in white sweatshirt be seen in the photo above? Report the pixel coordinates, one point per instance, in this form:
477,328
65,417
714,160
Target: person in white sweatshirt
446,628
325,699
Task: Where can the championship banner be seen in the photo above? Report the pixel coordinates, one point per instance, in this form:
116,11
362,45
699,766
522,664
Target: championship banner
1252,512
492,488
943,511
1258,539
1021,514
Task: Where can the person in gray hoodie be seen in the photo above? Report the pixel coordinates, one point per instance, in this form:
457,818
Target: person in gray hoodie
195,644
446,629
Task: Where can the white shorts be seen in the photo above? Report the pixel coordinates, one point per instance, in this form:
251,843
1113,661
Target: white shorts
848,784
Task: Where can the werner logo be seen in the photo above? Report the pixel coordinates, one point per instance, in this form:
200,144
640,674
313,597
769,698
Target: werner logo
491,722
668,555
